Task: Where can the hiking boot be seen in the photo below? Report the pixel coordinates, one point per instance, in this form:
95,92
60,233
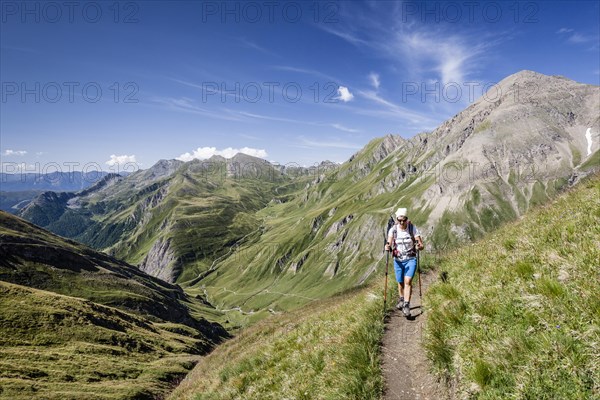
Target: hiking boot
400,303
406,309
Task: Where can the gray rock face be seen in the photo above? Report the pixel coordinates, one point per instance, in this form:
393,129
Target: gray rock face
161,261
366,158
296,265
337,226
533,130
530,129
162,169
510,150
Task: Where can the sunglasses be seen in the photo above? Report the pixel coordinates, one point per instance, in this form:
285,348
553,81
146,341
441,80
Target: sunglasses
402,219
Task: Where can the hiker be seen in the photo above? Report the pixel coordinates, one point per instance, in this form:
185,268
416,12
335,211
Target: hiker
407,240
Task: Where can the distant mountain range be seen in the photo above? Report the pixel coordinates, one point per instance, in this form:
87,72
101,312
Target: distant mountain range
17,190
56,181
255,237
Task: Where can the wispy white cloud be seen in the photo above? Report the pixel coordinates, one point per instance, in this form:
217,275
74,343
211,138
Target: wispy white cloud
181,103
202,153
186,83
9,152
343,128
304,142
348,36
391,111
374,78
344,94
270,118
397,110
251,45
213,88
120,160
577,38
306,71
297,121
422,50
185,104
449,56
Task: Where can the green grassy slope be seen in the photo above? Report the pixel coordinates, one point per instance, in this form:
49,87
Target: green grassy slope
326,350
328,238
73,321
36,258
324,241
59,347
519,314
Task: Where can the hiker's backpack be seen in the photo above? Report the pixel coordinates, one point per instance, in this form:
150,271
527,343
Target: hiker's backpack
411,232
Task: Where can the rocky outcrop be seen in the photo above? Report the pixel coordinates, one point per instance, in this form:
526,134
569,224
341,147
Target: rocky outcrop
160,170
335,228
106,182
161,261
362,162
332,270
296,265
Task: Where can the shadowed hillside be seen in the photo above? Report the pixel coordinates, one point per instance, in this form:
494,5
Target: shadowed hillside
74,321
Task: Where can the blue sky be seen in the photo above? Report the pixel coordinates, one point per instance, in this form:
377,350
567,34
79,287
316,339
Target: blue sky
89,85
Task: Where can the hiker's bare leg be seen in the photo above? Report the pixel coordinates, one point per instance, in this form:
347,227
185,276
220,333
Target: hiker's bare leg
401,289
407,288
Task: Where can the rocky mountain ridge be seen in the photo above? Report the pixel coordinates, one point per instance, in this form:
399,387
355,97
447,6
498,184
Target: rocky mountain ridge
244,223
147,218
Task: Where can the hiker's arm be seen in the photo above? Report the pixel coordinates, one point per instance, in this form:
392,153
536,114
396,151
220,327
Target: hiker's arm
388,245
420,245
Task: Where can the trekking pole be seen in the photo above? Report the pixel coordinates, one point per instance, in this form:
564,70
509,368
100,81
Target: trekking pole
387,260
419,271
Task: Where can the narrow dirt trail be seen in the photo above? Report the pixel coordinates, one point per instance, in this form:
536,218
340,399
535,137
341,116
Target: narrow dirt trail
405,367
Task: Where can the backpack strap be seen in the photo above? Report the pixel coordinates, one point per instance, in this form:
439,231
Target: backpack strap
411,232
394,235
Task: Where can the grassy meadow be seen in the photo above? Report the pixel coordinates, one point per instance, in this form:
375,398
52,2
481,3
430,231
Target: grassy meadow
60,347
328,349
519,315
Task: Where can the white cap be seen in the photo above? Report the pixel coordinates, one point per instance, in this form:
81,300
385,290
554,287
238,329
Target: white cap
401,212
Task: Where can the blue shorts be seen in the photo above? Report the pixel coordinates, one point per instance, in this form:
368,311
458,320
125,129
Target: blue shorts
405,268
